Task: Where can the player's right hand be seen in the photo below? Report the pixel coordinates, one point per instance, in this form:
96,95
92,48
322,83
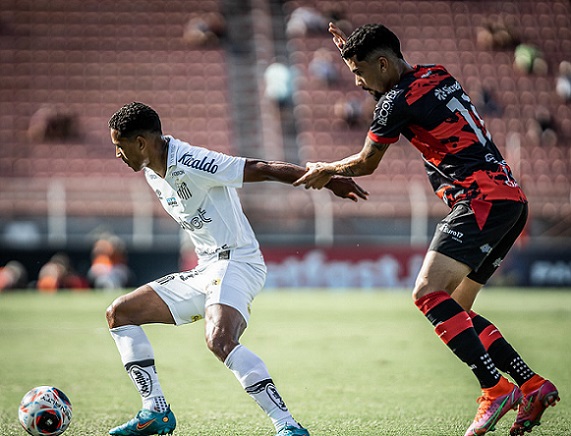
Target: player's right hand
339,37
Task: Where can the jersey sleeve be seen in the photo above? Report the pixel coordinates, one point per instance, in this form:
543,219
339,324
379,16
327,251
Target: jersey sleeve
212,167
390,117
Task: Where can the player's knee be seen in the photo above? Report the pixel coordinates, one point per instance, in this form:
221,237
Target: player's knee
221,346
113,314
421,288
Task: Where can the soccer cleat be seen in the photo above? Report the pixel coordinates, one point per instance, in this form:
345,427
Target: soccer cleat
533,406
290,430
147,423
492,408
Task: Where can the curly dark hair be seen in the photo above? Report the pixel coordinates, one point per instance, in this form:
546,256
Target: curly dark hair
366,39
135,118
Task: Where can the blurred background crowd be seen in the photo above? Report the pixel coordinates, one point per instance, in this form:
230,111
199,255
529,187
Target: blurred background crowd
261,78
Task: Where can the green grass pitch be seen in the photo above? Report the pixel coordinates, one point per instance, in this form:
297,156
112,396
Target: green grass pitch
346,363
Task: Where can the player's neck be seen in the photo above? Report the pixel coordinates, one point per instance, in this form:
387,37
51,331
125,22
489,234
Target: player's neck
404,67
159,163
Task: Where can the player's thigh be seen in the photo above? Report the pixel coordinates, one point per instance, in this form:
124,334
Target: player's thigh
141,306
439,273
184,293
510,218
235,284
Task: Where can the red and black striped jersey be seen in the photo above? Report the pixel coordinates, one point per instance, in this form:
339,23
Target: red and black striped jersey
429,107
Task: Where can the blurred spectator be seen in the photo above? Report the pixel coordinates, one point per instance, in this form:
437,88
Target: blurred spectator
205,30
58,273
109,268
350,111
495,34
563,81
322,67
487,103
50,123
13,276
528,59
542,129
304,21
279,79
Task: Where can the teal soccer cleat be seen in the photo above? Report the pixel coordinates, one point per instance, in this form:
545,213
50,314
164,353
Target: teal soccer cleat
290,430
147,423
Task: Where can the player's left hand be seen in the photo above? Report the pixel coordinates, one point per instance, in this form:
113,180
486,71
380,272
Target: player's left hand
318,175
346,187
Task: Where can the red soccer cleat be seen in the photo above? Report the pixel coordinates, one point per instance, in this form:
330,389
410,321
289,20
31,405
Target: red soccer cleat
534,404
494,403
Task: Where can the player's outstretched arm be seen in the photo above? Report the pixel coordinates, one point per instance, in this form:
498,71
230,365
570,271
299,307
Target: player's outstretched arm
362,164
260,170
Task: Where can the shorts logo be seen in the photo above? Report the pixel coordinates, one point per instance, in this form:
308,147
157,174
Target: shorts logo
486,248
455,234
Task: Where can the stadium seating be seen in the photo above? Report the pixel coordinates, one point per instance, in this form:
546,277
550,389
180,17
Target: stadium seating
85,58
88,58
445,32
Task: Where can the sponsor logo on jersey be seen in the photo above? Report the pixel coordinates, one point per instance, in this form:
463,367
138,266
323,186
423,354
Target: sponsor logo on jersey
385,106
159,194
190,161
171,201
196,222
445,91
177,173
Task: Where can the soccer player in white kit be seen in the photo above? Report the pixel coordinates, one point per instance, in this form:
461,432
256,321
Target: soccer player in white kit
197,187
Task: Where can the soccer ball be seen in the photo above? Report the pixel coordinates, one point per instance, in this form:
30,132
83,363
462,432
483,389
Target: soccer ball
45,411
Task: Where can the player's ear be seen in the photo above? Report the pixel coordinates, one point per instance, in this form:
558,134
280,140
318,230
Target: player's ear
141,142
383,63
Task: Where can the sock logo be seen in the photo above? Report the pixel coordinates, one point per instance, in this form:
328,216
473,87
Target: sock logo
275,396
142,380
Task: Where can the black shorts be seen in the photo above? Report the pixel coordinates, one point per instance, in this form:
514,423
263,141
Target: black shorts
480,240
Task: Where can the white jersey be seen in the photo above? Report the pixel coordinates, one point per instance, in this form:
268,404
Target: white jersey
199,192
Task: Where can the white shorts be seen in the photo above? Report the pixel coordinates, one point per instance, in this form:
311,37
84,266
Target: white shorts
227,282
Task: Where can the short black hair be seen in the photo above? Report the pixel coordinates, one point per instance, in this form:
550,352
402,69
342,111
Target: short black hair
135,118
366,39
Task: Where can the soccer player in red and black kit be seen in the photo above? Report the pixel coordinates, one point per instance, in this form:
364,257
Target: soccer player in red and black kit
488,212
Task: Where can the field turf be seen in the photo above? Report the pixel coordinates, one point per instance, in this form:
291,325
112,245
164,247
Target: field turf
346,363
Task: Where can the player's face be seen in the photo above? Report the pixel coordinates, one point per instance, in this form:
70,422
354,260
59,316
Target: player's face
374,76
130,151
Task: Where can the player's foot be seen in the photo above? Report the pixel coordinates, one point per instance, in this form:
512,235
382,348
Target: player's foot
147,423
539,395
494,403
290,430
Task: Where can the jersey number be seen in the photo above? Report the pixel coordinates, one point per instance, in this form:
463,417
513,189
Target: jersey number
466,110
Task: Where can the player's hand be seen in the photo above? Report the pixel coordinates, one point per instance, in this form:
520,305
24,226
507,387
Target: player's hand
346,187
318,174
339,37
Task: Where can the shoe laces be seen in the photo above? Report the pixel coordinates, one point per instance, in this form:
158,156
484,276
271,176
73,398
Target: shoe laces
486,404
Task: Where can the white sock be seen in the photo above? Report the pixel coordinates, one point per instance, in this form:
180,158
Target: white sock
254,377
138,358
